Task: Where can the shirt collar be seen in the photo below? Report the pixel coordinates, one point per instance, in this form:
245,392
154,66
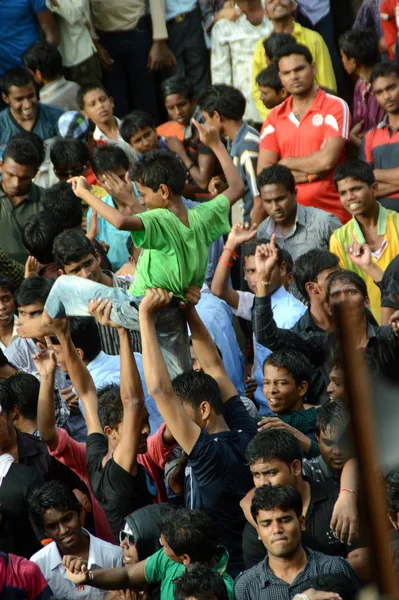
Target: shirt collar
271,578
27,445
54,85
316,106
235,145
279,294
381,225
97,362
55,558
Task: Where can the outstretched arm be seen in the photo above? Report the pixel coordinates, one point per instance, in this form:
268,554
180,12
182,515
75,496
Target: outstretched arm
45,363
123,578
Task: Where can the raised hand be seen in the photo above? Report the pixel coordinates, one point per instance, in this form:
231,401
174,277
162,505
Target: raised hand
360,254
76,569
32,267
120,189
44,359
240,234
59,327
266,257
154,300
192,296
174,144
79,185
101,311
209,135
217,185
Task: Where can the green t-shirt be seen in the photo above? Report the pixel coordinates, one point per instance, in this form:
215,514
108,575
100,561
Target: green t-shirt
159,568
176,256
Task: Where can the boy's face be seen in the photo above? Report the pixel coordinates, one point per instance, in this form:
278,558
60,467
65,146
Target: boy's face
331,452
386,91
270,97
114,435
273,471
179,108
336,387
250,272
357,197
281,390
144,140
89,267
349,64
7,307
74,170
119,172
30,311
149,198
98,107
22,102
64,527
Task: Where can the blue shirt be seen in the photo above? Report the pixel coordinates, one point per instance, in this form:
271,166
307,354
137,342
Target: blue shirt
19,29
45,126
117,253
178,7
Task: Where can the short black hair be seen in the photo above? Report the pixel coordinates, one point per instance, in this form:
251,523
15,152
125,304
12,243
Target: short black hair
43,57
109,158
7,397
33,289
133,122
85,89
60,200
384,68
392,483
194,387
276,175
16,76
110,407
177,85
35,139
85,335
345,276
200,583
268,497
269,77
308,267
361,44
275,41
355,169
190,532
295,363
52,494
71,246
273,444
26,390
290,49
332,414
287,259
129,245
331,582
23,152
66,153
7,283
227,100
39,233
156,167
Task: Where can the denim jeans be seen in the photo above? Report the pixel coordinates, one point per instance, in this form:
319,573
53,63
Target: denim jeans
70,296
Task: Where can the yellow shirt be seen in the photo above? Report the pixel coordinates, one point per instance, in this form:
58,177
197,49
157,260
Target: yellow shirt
388,226
321,56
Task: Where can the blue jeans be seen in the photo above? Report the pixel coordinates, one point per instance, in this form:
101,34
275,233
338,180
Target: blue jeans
70,296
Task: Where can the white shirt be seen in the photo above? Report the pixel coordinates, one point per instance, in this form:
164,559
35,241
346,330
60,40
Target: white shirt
102,140
13,336
102,555
61,93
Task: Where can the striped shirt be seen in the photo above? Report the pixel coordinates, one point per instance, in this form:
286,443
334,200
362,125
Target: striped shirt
244,151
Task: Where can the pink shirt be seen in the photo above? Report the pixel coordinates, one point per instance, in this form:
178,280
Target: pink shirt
155,458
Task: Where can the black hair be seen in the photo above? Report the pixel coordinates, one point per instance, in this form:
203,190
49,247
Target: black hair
33,289
109,158
7,283
194,387
283,256
384,68
227,100
156,167
71,246
361,44
16,76
383,359
26,390
275,41
287,259
129,245
85,335
85,89
276,175
7,397
190,532
23,152
332,414
110,407
66,153
346,277
271,444
35,139
133,122
177,85
60,200
52,494
355,169
200,583
308,267
38,235
290,49
331,582
295,363
268,497
43,57
269,77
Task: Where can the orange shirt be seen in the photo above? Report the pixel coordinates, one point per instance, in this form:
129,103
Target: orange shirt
283,134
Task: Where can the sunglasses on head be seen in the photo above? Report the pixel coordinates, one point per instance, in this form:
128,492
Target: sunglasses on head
123,537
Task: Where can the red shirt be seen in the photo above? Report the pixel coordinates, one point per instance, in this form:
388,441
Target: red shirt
389,24
21,579
283,134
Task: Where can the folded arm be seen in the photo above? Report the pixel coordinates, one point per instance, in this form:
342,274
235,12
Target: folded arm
320,161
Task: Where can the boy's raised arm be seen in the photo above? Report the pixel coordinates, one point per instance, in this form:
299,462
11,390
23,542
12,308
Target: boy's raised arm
46,365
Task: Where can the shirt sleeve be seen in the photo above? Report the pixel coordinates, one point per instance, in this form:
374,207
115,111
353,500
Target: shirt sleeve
38,5
338,119
158,449
220,56
366,152
268,136
325,71
388,25
70,452
237,416
35,585
258,64
155,235
245,304
214,216
155,566
335,248
249,161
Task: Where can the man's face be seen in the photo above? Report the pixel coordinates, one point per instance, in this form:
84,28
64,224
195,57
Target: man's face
213,120
357,197
22,102
30,311
116,434
296,74
64,527
98,107
87,268
274,472
179,108
281,391
349,64
16,179
336,387
128,546
7,307
386,91
250,272
149,198
321,282
350,295
280,531
144,140
331,452
278,202
279,9
269,96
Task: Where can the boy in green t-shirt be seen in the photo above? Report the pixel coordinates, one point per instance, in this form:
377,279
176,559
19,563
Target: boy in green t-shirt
175,245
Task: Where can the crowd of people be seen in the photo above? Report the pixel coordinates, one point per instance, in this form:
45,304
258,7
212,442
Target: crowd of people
188,191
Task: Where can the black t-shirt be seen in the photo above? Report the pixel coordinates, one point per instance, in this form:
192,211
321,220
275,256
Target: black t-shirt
118,492
318,535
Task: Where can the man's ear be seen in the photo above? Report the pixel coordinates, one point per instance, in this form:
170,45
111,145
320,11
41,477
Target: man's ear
81,353
61,272
296,467
302,522
283,93
5,98
283,269
107,431
303,388
310,287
